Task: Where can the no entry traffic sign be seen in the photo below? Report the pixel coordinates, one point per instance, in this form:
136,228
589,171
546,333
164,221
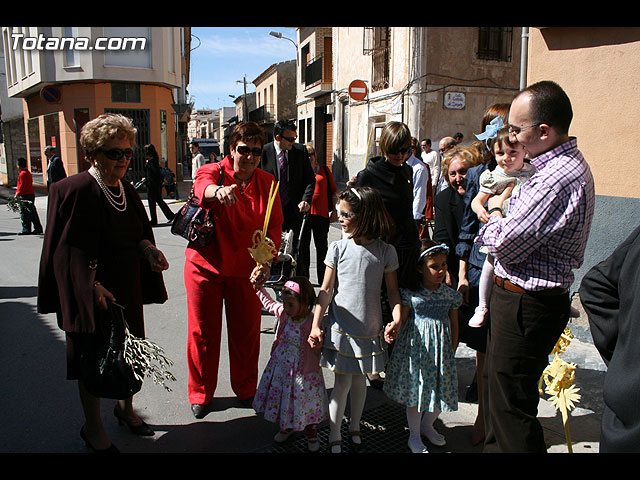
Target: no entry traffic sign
358,90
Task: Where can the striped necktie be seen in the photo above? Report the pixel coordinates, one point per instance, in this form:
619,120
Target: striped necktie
284,174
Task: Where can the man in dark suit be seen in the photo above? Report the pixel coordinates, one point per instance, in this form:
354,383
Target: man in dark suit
289,163
55,168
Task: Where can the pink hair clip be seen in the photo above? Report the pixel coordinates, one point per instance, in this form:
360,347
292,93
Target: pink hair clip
291,285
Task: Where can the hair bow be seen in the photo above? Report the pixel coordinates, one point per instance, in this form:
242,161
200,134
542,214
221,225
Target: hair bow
491,130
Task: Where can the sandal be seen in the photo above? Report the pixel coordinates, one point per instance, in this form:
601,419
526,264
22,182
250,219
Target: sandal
337,443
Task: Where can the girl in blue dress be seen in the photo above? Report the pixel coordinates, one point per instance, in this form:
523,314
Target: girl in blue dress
422,372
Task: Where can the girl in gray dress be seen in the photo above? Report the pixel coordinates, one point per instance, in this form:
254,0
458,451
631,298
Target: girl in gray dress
352,336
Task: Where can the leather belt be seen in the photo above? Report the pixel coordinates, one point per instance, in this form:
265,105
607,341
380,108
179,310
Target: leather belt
507,285
511,287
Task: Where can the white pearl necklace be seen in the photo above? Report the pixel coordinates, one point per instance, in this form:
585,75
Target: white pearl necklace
119,201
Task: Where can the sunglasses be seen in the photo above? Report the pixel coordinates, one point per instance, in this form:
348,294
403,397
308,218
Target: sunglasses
244,150
289,139
402,151
117,153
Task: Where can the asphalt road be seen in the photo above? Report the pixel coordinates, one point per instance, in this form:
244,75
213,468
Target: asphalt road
40,411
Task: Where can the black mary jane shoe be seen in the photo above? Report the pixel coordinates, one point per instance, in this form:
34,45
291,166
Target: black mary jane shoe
143,429
111,449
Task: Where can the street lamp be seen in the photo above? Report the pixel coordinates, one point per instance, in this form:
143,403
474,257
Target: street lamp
279,35
245,113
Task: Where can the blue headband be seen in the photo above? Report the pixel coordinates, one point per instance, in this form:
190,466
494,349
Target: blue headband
442,246
491,130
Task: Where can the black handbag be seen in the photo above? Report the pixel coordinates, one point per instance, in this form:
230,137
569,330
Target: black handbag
104,371
194,222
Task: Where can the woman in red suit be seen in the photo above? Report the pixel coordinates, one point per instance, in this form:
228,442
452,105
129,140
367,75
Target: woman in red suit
220,271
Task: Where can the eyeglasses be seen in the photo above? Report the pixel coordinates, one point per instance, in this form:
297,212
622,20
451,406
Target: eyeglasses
516,130
244,150
401,151
117,153
346,215
289,139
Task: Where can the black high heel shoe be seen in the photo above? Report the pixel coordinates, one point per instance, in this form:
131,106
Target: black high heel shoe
143,429
111,449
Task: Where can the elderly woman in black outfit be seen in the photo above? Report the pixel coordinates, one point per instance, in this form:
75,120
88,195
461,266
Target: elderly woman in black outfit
99,246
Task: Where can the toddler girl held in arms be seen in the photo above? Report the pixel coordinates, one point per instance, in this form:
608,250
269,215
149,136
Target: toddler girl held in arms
511,172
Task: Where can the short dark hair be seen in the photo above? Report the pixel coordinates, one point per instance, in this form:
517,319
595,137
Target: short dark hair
282,125
307,295
372,217
414,280
22,162
247,132
427,141
550,104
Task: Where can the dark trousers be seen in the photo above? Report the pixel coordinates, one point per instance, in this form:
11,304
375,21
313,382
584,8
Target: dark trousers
154,196
319,226
29,214
524,329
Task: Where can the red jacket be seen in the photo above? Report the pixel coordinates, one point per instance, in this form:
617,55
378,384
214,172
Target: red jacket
25,183
228,253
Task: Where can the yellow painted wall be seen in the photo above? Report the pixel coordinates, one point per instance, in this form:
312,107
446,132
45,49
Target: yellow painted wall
598,67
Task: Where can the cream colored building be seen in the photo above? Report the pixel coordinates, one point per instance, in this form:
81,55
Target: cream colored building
274,96
437,80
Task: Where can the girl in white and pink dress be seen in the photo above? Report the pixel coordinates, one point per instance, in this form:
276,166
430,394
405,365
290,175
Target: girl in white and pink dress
291,391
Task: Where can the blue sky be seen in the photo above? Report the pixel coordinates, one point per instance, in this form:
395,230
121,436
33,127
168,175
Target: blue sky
222,55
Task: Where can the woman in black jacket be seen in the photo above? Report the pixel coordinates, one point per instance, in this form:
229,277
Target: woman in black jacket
154,179
393,178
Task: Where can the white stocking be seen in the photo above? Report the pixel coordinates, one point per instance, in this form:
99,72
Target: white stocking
486,282
337,404
357,396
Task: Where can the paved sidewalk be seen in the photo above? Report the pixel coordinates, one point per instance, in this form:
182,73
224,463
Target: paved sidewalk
33,367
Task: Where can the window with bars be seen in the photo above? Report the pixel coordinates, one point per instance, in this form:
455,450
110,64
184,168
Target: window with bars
495,43
377,42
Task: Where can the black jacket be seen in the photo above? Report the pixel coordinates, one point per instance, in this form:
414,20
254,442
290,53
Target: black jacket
610,294
302,179
395,185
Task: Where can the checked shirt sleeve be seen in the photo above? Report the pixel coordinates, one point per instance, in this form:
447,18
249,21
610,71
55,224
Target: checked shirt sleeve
532,220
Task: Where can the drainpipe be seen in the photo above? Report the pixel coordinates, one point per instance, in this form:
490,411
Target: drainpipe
523,58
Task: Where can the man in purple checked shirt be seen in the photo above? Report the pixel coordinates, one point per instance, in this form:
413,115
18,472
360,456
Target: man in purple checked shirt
536,249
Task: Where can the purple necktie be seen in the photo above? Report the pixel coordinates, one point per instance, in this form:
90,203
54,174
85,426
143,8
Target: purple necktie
284,190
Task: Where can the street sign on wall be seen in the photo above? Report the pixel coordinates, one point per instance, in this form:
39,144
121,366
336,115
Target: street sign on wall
50,94
358,90
455,100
